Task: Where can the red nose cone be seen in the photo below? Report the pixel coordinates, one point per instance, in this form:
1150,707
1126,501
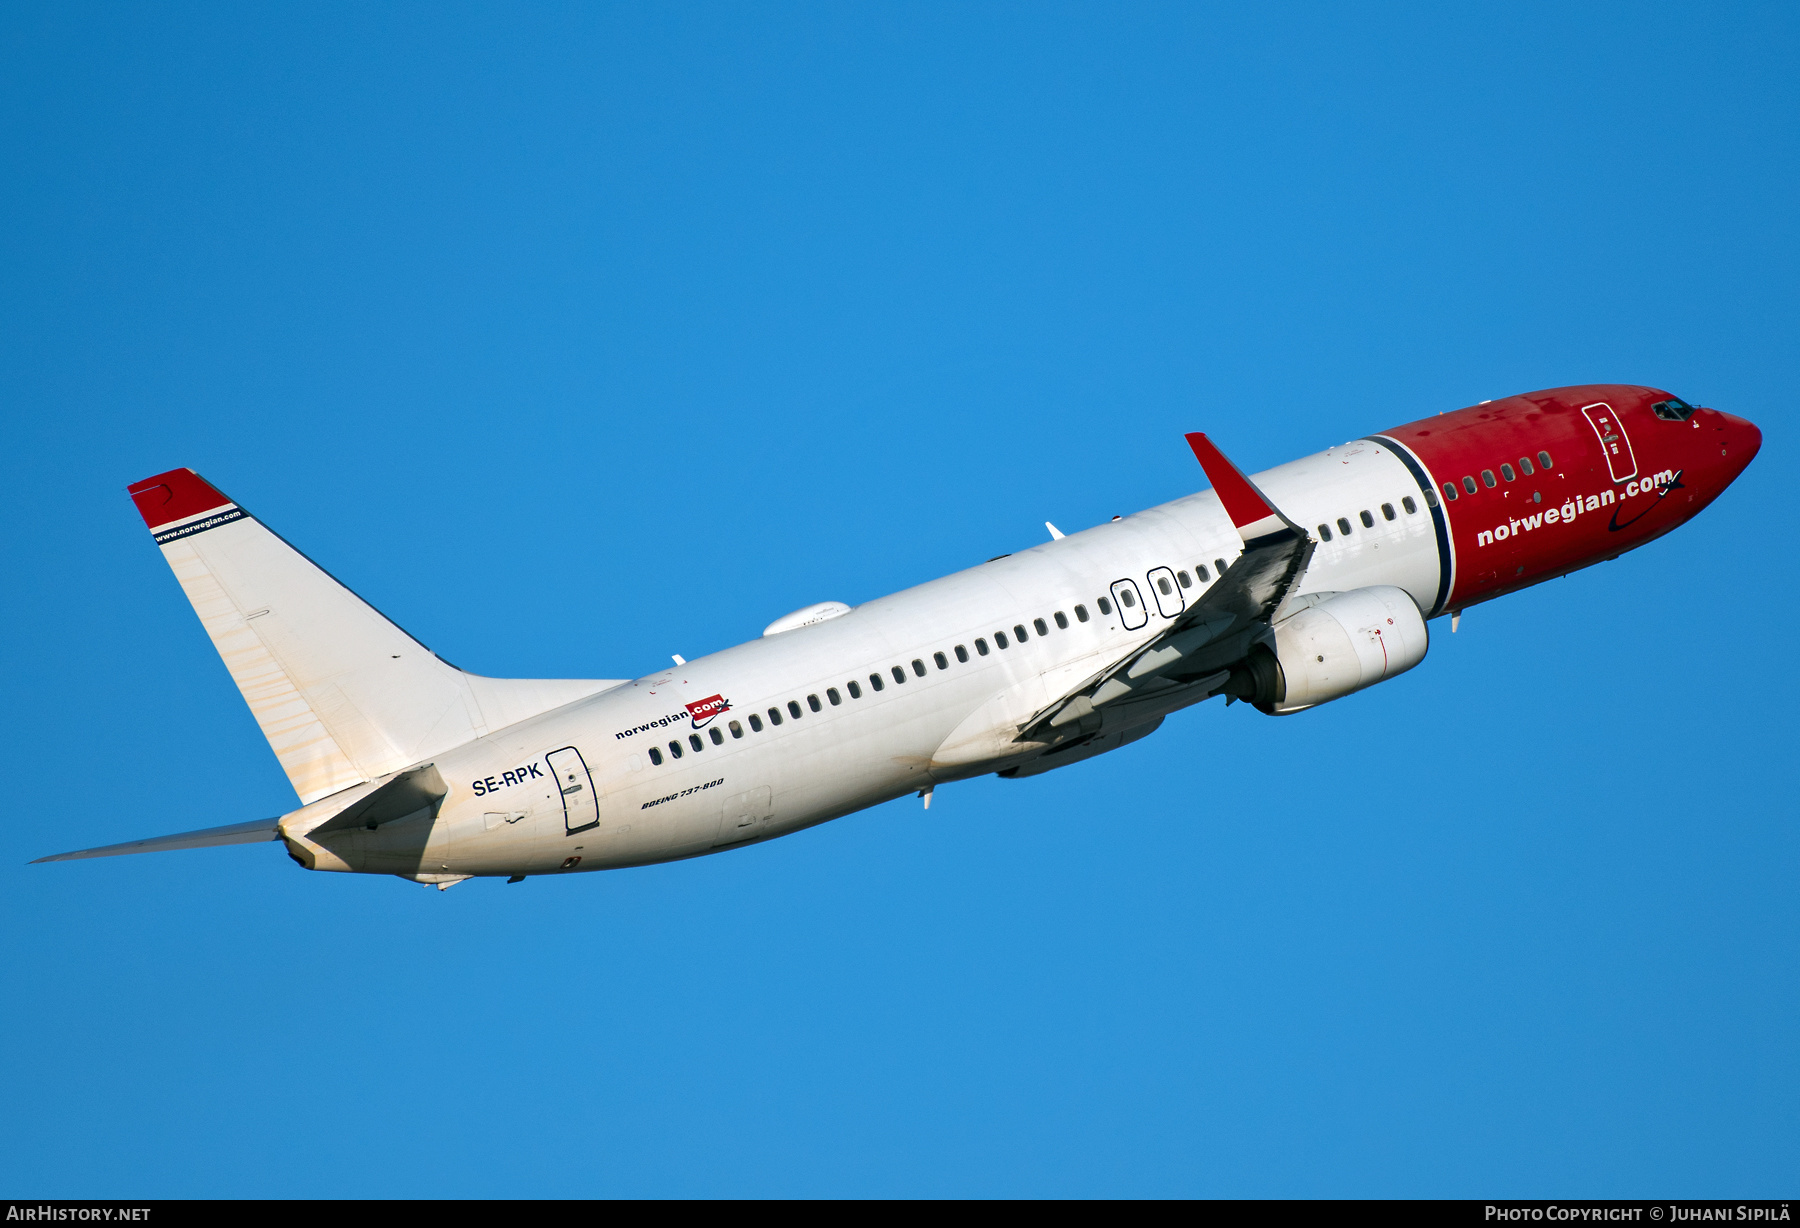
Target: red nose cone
1742,440
1751,443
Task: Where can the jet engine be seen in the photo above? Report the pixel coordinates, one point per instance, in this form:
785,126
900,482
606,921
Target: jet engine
1341,644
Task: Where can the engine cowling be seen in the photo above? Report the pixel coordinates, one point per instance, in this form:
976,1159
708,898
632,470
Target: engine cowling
1339,646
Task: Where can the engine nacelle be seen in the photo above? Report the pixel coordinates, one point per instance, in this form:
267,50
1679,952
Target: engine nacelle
1327,651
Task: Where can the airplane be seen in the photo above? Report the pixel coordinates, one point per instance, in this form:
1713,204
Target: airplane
1293,588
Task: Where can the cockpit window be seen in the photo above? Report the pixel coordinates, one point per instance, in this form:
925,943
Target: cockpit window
1673,410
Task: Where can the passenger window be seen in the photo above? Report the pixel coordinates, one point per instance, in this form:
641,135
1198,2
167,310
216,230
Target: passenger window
1040,626
737,730
1487,479
1343,526
695,742
1019,633
898,673
854,689
1080,613
655,756
962,654
1368,520
718,739
1544,462
1000,639
1406,502
1506,471
1525,465
875,681
918,667
1164,587
1200,570
1105,606
774,716
1450,491
1469,484
755,723
1324,532
831,693
675,750
1181,578
1387,511
1062,621
794,709
1221,566
1431,498
981,646
812,701
1127,598
943,662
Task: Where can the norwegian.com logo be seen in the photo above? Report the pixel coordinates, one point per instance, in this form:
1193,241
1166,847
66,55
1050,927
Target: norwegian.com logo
704,710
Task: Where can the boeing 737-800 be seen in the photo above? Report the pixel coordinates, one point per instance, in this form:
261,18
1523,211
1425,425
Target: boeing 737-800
1299,586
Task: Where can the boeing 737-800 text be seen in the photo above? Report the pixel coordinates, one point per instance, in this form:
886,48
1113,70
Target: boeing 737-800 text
1299,586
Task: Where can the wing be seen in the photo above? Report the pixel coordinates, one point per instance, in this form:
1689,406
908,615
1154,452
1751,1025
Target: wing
236,833
1192,658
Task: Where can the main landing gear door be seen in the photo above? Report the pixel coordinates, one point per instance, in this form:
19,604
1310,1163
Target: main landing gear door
581,809
1613,440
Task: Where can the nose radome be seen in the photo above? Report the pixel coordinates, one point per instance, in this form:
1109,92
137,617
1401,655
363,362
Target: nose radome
1744,438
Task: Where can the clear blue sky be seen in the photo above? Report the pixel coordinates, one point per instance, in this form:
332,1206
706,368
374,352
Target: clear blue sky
576,336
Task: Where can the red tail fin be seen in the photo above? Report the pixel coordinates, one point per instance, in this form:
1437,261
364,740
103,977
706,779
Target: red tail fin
175,495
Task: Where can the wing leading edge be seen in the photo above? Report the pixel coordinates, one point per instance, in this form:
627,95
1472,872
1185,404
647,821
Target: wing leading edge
1193,657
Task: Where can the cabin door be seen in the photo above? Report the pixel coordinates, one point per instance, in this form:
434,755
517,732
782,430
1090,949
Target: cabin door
581,809
1165,592
1130,602
1613,440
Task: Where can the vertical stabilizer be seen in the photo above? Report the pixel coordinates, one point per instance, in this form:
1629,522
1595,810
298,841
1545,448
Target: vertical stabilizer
342,694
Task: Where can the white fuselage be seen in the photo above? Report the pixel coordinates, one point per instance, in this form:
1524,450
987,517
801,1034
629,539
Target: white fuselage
1300,588
502,816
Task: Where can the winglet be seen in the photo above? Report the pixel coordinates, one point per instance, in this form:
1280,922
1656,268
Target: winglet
1253,514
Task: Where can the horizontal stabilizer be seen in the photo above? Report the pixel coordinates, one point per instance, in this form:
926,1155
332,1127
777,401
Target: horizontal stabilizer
408,794
236,833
